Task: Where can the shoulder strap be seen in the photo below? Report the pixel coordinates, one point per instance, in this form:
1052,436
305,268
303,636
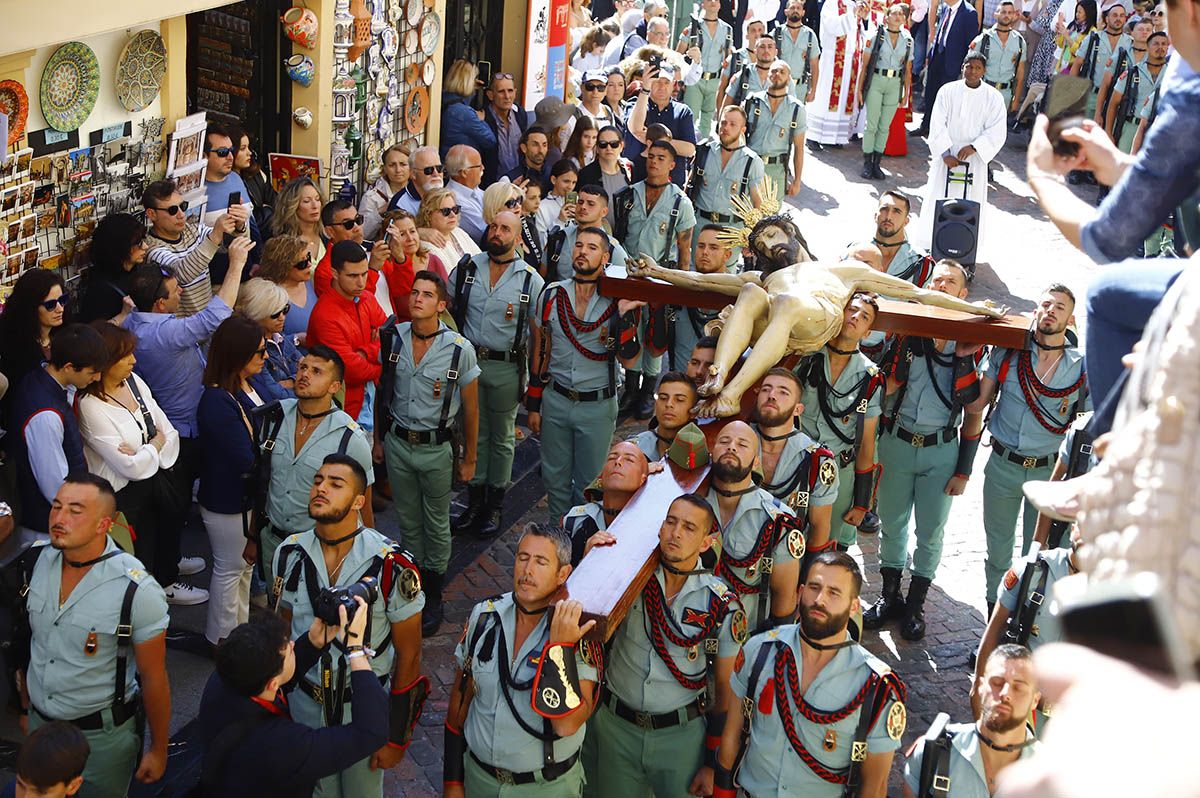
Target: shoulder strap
1030,595
464,279
746,175
389,356
451,384
124,640
519,337
985,44
554,246
666,256
147,419
344,443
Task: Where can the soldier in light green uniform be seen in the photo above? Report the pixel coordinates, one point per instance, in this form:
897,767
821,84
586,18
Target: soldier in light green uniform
754,74
798,45
775,129
884,82
624,473
430,373
725,168
668,668
312,421
1026,437
515,724
980,751
841,411
578,337
1135,53
1133,88
82,591
340,551
673,403
1097,49
781,730
739,58
715,40
1003,49
590,211
926,460
494,295
685,326
655,218
761,541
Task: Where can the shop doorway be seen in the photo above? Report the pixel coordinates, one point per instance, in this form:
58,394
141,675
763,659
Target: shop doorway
482,24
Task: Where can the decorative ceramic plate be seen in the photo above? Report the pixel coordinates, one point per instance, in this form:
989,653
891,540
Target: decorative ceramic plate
140,70
412,74
414,11
416,110
431,32
14,102
70,86
428,71
411,42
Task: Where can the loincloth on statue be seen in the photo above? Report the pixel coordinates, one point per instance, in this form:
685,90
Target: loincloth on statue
821,331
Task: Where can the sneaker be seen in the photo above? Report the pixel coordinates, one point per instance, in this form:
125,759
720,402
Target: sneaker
183,594
189,566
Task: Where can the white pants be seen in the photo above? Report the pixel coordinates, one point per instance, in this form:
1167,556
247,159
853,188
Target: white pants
229,590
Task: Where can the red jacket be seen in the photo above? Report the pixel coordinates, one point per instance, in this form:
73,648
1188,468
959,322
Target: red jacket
400,279
352,330
323,275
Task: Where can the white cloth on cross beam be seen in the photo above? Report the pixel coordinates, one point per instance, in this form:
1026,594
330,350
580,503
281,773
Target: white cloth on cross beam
963,116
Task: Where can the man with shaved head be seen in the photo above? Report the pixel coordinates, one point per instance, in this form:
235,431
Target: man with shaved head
625,471
493,294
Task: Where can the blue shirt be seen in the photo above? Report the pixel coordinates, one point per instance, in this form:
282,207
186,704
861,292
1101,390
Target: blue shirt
679,120
170,358
1013,422
296,321
218,193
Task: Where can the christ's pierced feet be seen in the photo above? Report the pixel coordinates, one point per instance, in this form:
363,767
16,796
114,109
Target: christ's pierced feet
720,406
715,382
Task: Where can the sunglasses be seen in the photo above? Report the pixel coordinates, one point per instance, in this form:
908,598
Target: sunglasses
172,210
350,224
608,145
304,264
51,304
286,309
453,209
503,76
221,152
433,170
513,203
594,87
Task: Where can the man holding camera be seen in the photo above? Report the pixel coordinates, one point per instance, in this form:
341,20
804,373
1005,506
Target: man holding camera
320,569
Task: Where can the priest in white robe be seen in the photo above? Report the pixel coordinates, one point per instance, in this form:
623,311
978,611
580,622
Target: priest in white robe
968,128
833,112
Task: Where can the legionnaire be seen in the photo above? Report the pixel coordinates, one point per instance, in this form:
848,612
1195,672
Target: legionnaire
685,326
656,218
1133,88
1003,48
526,684
494,295
775,128
725,168
798,44
761,541
797,470
1136,53
820,715
841,411
668,669
673,402
294,438
754,76
1097,49
97,656
338,553
926,457
755,28
1022,614
962,760
1040,392
578,337
590,211
884,84
625,471
714,37
429,374
703,354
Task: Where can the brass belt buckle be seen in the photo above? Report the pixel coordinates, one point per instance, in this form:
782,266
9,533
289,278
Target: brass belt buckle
573,395
505,777
414,437
1030,462
643,720
484,352
918,441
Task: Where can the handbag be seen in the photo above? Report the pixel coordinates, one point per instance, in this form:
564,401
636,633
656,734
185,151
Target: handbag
169,493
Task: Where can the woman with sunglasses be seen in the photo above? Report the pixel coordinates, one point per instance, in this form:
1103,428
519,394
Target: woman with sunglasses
405,259
287,263
36,308
609,169
504,196
439,210
236,355
393,178
298,213
268,305
118,246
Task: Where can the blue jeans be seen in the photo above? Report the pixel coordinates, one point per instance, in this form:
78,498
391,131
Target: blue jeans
1119,303
920,34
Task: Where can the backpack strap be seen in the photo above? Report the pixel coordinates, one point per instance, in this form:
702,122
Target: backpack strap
554,246
666,256
390,345
519,338
147,419
464,280
452,383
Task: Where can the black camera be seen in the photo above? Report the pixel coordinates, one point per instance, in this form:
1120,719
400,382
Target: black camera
330,598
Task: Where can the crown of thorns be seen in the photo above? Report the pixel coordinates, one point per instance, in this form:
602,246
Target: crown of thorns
751,216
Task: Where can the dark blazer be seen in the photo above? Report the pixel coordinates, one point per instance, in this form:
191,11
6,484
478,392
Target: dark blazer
226,453
491,156
281,757
948,59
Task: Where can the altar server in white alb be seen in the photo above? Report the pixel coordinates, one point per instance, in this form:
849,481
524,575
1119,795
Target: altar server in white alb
967,131
832,114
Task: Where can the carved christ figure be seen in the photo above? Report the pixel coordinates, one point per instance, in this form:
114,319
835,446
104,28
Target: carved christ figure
793,306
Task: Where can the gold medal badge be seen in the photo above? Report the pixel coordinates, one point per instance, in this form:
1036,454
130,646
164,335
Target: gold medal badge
828,472
830,741
897,719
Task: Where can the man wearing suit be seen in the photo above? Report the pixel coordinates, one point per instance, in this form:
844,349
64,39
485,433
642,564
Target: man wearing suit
957,24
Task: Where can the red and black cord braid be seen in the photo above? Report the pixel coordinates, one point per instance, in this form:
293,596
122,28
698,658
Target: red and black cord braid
662,628
571,324
1032,388
727,562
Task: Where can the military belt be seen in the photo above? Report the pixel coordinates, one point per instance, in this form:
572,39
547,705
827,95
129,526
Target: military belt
650,722
417,437
919,441
584,396
548,773
95,721
719,218
888,73
505,355
999,86
770,160
1018,458
710,75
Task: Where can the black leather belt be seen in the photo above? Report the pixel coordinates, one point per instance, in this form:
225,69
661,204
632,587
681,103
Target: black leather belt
583,396
1018,458
774,159
888,73
919,441
95,721
710,75
998,86
650,721
505,355
720,218
415,437
548,773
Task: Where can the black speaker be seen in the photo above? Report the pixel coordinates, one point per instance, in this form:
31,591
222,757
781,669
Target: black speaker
956,230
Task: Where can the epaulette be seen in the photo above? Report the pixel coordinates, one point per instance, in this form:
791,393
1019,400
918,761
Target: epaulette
873,370
293,538
458,339
39,543
877,665
136,574
578,510
352,424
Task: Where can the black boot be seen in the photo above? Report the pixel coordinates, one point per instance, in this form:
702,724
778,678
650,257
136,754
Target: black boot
870,524
643,408
469,520
890,606
431,616
914,609
633,387
876,171
492,516
867,173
